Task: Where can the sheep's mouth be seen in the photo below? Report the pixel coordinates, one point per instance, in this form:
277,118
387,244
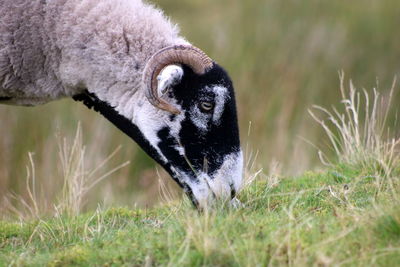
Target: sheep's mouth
202,177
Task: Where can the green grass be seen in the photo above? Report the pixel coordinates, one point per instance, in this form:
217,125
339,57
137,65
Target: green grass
339,216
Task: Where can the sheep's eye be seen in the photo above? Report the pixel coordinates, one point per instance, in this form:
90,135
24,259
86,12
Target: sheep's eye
206,106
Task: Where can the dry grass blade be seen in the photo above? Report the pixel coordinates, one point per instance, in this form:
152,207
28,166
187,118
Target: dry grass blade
358,135
78,181
33,206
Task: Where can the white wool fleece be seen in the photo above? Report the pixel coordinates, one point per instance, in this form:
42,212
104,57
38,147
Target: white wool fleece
56,48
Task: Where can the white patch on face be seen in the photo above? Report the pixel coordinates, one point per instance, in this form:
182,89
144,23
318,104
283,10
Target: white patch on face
180,149
230,174
168,77
221,97
151,120
200,119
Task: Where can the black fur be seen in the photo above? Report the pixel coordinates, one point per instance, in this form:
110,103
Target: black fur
91,101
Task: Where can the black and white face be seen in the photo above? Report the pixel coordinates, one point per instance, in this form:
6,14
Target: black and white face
199,147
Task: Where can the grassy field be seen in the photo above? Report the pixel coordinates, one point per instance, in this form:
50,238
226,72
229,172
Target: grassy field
61,192
342,216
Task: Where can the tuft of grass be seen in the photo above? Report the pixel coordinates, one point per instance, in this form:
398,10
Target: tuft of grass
359,135
77,181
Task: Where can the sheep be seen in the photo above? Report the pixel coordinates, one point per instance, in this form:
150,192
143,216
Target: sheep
127,61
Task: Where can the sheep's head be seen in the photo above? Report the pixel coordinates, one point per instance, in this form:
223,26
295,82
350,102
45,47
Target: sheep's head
190,120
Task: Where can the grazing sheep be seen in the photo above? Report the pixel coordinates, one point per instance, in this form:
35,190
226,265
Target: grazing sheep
126,60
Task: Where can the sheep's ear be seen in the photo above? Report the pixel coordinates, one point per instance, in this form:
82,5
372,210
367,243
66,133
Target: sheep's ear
168,77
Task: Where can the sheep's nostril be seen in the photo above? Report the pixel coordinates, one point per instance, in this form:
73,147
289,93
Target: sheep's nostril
233,191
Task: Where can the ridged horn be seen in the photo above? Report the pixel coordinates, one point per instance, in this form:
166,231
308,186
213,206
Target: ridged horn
188,55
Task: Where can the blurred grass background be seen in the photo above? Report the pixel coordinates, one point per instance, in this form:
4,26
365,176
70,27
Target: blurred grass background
284,56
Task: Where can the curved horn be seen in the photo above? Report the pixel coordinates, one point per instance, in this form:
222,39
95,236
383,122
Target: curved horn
189,55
